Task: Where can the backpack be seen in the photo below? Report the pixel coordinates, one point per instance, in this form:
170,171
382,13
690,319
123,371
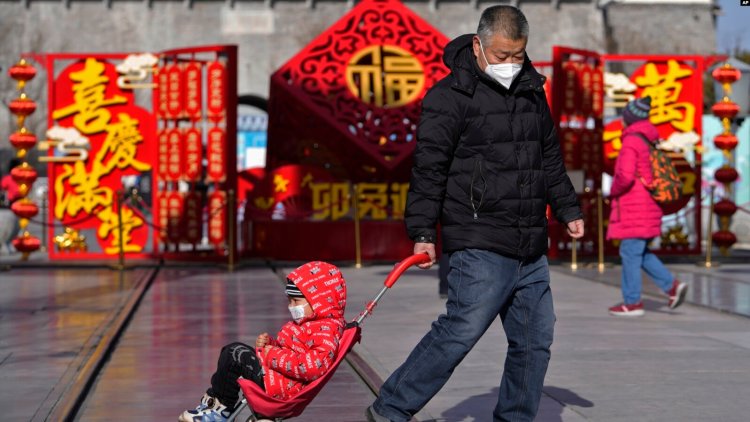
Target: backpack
666,186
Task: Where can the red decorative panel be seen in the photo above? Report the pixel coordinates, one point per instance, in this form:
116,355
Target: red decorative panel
174,91
162,163
193,221
193,97
161,92
356,89
217,217
215,149
174,156
174,216
193,155
217,80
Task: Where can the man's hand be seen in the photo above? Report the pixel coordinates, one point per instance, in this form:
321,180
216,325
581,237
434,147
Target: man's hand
429,248
262,340
575,229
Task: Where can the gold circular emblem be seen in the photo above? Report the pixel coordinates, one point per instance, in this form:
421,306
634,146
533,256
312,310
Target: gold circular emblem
385,75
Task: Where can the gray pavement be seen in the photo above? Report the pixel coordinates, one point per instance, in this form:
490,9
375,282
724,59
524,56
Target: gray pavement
682,365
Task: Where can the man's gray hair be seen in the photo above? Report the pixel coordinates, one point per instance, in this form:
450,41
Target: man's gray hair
505,20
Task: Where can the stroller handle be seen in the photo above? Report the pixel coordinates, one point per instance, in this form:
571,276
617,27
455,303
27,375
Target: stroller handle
402,266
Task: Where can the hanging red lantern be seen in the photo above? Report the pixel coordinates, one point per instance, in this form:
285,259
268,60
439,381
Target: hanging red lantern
726,141
22,106
26,244
724,238
24,208
725,109
726,74
725,208
726,175
22,72
24,174
23,139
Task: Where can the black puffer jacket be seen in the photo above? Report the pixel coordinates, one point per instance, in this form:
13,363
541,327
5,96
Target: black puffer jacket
487,162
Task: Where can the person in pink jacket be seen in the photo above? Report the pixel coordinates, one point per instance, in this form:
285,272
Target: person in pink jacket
635,217
303,350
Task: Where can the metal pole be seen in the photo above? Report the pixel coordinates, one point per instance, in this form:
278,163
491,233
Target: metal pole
231,220
121,264
709,240
357,240
574,255
600,225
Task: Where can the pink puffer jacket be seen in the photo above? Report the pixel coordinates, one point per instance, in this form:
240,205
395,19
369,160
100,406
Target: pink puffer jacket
634,215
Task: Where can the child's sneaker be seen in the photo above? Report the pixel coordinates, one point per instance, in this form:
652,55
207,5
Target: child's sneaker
622,309
677,294
209,410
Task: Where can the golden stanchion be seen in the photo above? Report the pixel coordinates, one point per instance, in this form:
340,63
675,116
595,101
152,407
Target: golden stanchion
357,240
121,254
574,255
709,241
600,225
231,235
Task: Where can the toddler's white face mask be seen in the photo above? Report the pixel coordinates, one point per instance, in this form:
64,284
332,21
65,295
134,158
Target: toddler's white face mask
298,312
503,73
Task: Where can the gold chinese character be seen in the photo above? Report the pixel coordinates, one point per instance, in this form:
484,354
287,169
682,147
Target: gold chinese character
664,90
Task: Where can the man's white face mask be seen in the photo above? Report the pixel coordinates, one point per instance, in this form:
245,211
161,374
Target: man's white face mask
503,73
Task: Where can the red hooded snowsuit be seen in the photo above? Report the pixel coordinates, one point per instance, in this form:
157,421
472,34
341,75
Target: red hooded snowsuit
634,215
304,351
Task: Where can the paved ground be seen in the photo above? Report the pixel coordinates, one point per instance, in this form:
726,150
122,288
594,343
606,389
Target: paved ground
685,365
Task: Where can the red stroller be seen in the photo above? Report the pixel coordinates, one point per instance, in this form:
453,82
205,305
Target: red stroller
259,403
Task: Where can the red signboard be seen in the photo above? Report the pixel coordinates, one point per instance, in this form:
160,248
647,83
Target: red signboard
216,91
162,200
162,164
217,217
215,150
193,213
161,92
175,102
174,158
174,217
193,155
193,104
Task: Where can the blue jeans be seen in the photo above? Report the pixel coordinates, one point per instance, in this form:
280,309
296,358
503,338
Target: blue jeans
636,255
481,286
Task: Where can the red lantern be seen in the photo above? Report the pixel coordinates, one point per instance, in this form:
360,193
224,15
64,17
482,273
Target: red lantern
726,74
725,208
22,139
726,175
22,71
726,141
26,244
725,109
24,174
25,208
22,106
724,238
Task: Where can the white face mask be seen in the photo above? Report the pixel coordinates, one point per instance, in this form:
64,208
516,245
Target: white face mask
298,312
503,73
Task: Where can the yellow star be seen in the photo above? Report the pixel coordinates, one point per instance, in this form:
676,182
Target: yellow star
280,183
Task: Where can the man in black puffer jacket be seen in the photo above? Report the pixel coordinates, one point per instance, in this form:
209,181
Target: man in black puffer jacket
486,165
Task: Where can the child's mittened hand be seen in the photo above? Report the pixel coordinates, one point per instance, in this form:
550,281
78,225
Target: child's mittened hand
262,340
